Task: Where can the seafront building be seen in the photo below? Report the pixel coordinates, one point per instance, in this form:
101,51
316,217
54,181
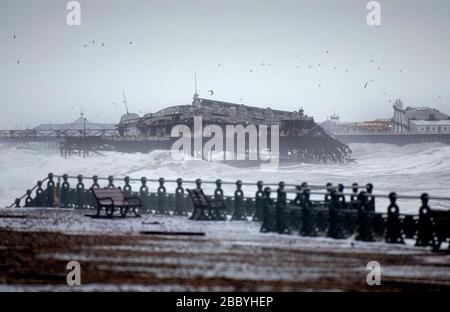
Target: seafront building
419,120
404,120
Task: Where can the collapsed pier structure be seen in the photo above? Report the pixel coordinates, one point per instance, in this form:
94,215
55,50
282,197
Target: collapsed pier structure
300,138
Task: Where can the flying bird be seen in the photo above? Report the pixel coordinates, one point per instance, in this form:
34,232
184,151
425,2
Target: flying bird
103,44
365,86
18,62
131,42
211,92
14,37
251,70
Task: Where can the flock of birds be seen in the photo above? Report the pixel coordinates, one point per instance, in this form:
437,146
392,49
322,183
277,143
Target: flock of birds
365,84
101,44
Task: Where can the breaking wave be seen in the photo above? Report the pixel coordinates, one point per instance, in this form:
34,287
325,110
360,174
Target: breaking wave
410,169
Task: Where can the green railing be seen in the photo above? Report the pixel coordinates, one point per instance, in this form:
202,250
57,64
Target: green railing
335,212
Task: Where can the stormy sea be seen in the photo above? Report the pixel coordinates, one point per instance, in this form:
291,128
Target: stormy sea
407,170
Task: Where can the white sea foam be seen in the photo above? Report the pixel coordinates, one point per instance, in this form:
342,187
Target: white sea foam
410,169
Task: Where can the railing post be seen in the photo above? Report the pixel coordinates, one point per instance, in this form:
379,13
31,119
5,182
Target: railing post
259,202
65,193
269,219
50,191
180,210
335,225
365,226
40,195
354,204
80,193
111,182
161,208
238,213
95,182
281,207
394,233
309,227
370,197
143,192
127,187
218,196
341,197
28,200
425,224
329,188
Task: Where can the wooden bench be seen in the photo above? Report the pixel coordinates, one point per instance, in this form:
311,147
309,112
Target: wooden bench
441,227
112,198
206,208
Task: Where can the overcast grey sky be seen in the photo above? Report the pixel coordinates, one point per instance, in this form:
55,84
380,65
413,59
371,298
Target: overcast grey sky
173,39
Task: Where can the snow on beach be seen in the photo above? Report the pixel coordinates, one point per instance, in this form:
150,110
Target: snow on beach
409,170
230,256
